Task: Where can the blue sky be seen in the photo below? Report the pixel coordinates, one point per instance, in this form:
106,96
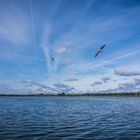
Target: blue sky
34,31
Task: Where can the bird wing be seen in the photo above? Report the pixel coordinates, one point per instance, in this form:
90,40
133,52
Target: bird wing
97,54
102,47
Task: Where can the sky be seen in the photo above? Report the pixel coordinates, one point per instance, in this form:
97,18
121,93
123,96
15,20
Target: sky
32,32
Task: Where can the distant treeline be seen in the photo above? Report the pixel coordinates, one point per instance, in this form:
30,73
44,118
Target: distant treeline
103,94
27,94
83,94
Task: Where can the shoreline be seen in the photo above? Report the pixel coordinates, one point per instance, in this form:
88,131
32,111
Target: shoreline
134,94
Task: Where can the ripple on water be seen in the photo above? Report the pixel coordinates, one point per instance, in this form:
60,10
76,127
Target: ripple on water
69,118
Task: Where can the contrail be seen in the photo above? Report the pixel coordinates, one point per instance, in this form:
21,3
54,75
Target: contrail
32,58
45,46
49,53
104,63
49,62
32,27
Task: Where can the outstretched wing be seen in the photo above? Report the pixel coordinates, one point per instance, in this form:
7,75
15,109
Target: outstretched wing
97,54
102,47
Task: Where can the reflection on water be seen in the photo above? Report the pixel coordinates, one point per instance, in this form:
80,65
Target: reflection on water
64,118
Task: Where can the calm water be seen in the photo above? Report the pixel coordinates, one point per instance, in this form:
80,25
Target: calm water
69,118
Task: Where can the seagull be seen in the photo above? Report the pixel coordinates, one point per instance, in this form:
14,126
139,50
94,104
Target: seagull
100,50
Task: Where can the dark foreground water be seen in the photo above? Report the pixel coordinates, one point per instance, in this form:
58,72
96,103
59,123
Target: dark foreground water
69,118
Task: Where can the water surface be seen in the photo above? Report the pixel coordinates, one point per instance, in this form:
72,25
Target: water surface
69,118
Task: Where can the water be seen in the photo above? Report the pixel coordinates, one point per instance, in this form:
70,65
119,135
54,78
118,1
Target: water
69,118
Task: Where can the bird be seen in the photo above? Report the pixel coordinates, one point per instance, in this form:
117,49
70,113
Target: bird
100,50
52,59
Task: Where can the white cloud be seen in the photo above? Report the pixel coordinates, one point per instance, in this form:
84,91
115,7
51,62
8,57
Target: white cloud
61,50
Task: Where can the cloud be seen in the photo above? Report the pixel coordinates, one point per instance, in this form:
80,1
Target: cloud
127,73
105,79
46,43
125,87
88,66
96,83
72,80
72,39
49,51
30,83
137,82
45,88
61,85
61,50
7,89
40,90
79,39
63,88
26,81
4,88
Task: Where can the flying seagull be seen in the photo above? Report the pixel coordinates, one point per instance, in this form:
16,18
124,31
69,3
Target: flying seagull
100,50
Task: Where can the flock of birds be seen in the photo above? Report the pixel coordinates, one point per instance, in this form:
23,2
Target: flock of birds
100,50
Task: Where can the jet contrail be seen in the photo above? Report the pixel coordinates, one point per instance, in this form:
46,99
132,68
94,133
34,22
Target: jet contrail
32,27
33,58
52,59
48,60
45,47
52,63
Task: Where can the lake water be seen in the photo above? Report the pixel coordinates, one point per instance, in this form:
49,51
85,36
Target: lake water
69,118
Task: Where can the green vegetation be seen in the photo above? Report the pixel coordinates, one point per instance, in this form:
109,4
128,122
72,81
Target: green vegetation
104,94
84,94
25,94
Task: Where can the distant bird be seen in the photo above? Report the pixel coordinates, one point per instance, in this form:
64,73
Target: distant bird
100,50
52,59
